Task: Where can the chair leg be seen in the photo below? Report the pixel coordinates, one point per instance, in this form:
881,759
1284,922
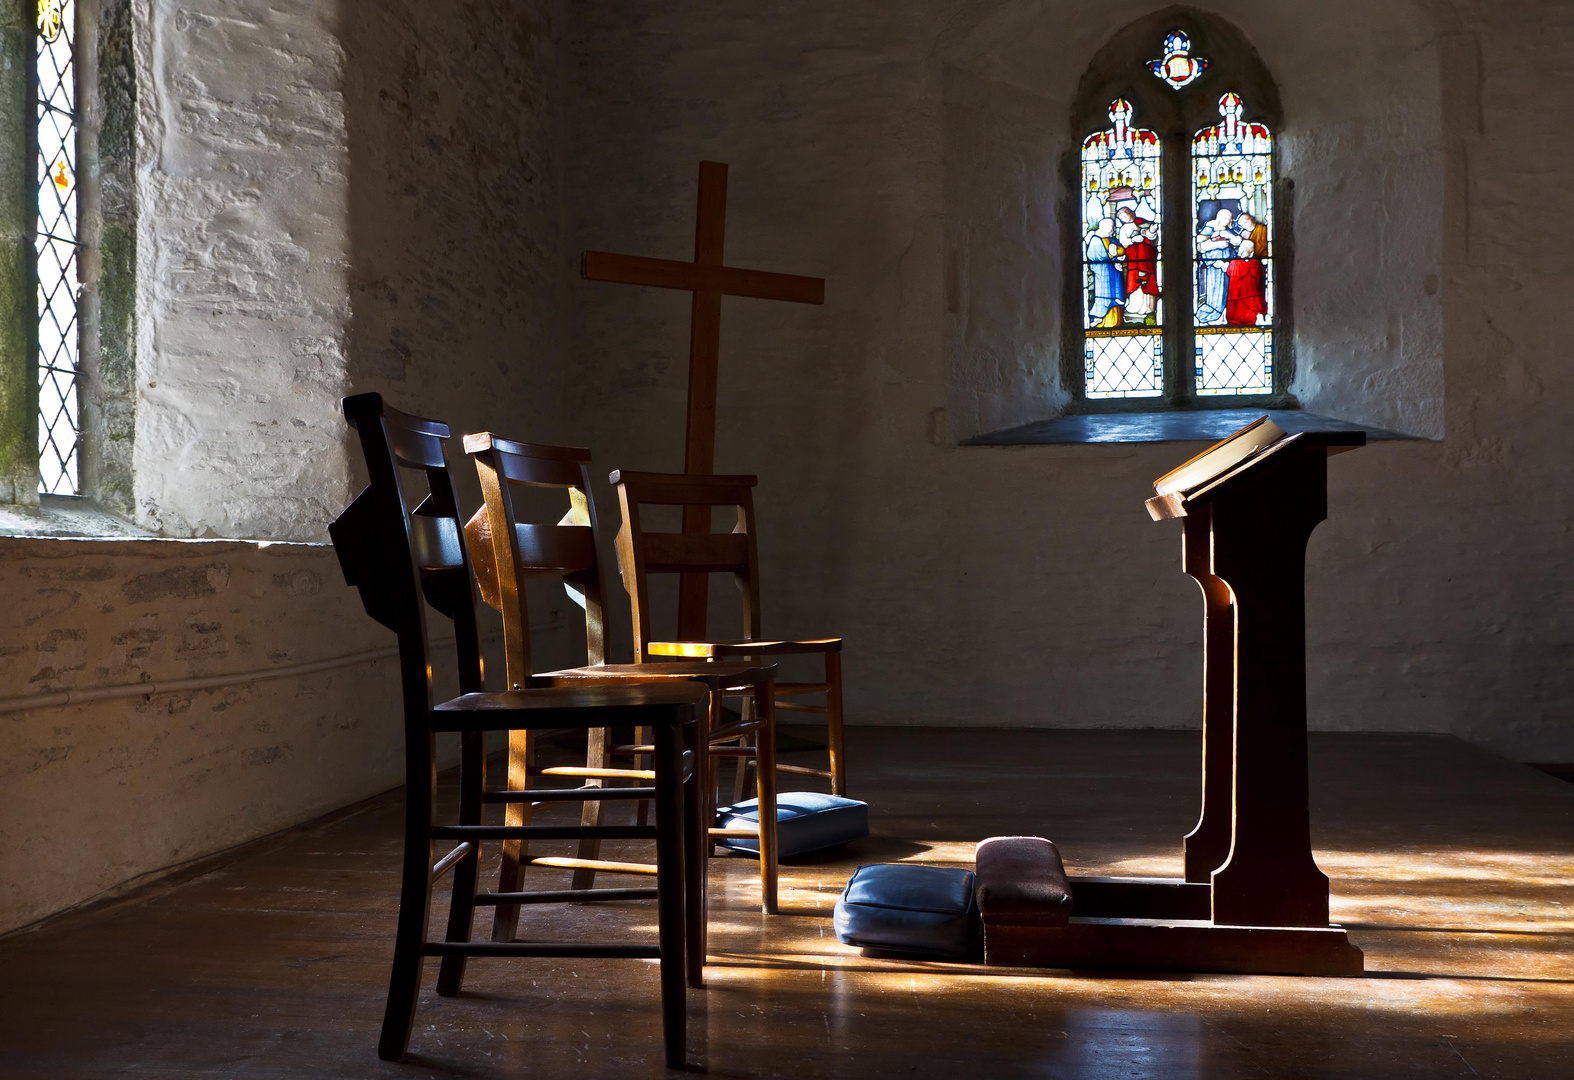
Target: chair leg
669,890
590,847
415,900
505,917
697,819
833,723
642,808
740,775
461,906
765,790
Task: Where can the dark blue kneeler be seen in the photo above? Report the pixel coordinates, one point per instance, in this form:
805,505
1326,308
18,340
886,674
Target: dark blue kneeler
921,911
805,821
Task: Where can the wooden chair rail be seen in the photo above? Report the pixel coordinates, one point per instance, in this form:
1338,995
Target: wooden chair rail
741,647
793,706
447,862
544,832
565,862
562,896
598,774
542,796
805,770
608,951
485,440
673,489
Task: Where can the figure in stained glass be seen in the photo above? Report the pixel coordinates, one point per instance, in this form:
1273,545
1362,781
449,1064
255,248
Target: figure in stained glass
1121,260
1104,252
1246,300
1232,163
1216,242
1138,236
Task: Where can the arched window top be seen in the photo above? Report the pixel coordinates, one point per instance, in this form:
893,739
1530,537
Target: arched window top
1200,57
1178,299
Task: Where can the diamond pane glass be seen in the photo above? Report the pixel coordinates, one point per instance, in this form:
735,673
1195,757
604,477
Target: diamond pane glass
1121,260
58,287
1233,225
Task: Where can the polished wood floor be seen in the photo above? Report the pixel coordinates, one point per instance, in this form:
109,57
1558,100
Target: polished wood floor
1454,870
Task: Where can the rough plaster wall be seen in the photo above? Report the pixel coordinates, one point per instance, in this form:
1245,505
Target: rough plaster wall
458,283
1026,585
243,260
99,793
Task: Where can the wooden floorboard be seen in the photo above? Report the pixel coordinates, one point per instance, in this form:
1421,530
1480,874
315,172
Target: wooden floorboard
1454,870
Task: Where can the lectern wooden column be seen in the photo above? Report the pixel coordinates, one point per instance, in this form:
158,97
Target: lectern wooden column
1252,899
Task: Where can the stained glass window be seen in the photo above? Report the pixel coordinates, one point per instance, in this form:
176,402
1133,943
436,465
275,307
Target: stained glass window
1123,346
56,245
1176,66
1232,223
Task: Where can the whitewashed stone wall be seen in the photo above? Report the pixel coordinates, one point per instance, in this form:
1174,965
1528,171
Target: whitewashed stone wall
334,197
243,245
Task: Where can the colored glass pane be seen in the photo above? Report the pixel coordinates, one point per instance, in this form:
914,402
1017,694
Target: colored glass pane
1233,227
56,249
1122,262
1177,67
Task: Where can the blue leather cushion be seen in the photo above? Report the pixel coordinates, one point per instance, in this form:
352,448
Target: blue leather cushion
805,821
900,907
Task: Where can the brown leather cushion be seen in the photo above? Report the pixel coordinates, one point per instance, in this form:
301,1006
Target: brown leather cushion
1021,882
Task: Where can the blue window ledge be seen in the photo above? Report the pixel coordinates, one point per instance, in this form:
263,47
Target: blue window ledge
1172,425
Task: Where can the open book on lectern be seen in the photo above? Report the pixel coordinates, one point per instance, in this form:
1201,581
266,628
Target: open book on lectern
1235,454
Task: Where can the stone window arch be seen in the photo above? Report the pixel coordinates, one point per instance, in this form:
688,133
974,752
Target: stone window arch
1175,119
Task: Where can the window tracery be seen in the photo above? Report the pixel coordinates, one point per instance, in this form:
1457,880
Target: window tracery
56,248
1201,247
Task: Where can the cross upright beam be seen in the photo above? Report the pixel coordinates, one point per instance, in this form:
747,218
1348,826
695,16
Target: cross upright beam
709,279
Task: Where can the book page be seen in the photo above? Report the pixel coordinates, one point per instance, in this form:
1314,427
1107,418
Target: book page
1220,457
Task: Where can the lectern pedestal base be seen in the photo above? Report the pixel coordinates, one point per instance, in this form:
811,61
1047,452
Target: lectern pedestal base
1154,925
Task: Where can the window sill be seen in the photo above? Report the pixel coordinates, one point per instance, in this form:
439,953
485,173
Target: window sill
1170,425
64,516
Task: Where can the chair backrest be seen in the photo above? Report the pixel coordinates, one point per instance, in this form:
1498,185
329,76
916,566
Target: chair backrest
508,551
642,553
403,558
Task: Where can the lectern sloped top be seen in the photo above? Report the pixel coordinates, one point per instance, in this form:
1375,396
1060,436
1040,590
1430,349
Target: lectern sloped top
1251,448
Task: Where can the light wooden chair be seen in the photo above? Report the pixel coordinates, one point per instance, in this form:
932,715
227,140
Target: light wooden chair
642,553
507,552
401,547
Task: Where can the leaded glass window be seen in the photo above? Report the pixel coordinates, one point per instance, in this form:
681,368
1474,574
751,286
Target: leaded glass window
1123,344
56,246
1174,294
1232,226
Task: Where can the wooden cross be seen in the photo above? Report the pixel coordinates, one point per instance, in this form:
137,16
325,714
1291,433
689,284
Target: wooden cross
709,280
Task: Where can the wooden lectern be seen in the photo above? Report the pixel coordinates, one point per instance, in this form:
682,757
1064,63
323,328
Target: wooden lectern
1252,899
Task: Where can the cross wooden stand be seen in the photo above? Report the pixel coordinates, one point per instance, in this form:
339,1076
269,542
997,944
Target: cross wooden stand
1252,899
709,280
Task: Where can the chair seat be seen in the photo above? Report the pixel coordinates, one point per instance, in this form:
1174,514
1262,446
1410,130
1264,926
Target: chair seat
805,821
924,911
572,707
700,649
716,676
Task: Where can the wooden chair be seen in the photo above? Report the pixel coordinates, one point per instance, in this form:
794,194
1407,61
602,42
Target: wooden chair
403,558
641,553
507,552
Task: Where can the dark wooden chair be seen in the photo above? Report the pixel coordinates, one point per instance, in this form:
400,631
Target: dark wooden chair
506,553
402,548
642,553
